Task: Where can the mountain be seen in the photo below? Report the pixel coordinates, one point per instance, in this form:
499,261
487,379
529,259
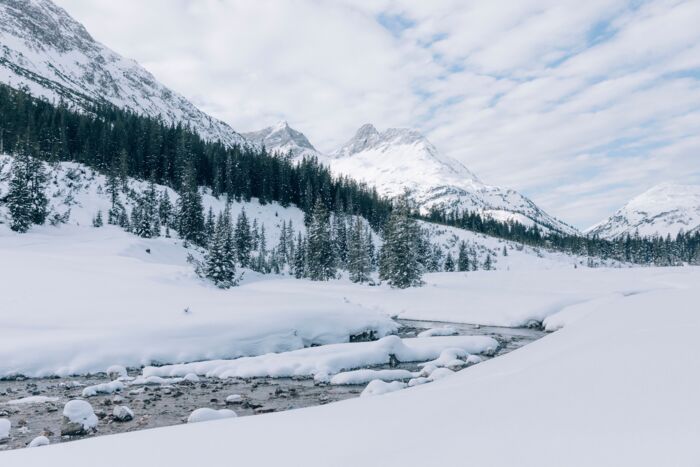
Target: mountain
283,139
664,209
45,50
402,159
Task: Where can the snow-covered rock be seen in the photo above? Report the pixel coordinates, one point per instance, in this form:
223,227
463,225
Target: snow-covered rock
116,372
379,387
122,413
234,399
46,50
104,388
39,441
78,418
206,414
664,209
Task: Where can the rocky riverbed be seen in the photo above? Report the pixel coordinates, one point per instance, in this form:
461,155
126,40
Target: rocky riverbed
34,406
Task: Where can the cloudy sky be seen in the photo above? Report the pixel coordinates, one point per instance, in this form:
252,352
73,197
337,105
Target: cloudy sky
579,105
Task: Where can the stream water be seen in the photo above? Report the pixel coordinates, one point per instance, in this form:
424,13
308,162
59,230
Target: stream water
156,406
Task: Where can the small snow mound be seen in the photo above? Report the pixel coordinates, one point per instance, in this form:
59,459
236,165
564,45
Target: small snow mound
206,414
234,399
81,412
5,426
364,376
39,441
443,331
378,387
104,388
440,373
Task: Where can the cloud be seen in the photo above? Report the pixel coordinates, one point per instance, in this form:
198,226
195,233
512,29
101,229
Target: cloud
580,105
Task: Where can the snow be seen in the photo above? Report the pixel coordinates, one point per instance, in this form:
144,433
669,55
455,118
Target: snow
617,386
207,414
117,371
233,398
122,412
364,376
379,387
80,411
5,426
39,441
104,388
442,331
665,209
32,400
324,361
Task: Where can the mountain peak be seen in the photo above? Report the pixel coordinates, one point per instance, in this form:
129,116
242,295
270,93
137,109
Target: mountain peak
283,139
666,208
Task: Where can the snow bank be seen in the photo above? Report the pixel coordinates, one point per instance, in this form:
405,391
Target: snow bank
5,426
379,387
443,331
81,412
321,362
602,391
365,376
207,414
32,400
39,441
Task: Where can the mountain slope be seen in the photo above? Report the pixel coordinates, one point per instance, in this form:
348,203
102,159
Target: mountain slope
402,159
664,209
44,49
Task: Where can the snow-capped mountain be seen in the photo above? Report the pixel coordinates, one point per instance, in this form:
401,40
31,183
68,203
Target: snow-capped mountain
44,49
283,139
397,160
664,209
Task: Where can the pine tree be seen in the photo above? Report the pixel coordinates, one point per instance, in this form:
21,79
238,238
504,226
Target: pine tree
190,209
320,256
505,250
98,221
300,258
219,265
210,225
463,258
399,263
243,239
435,263
487,263
261,260
358,261
26,198
165,209
449,263
340,238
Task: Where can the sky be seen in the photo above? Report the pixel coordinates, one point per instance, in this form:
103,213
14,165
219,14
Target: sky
578,105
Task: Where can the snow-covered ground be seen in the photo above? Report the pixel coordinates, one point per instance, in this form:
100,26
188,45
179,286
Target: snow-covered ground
615,386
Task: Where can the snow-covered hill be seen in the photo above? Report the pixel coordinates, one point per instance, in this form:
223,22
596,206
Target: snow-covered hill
45,50
664,209
397,160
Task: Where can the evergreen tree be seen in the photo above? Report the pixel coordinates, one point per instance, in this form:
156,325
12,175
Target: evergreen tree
98,221
399,263
26,198
219,265
463,258
300,258
261,260
144,216
190,210
340,238
487,263
358,261
243,240
449,263
435,263
320,256
165,209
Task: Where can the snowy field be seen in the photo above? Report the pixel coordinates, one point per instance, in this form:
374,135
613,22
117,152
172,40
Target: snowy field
616,385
